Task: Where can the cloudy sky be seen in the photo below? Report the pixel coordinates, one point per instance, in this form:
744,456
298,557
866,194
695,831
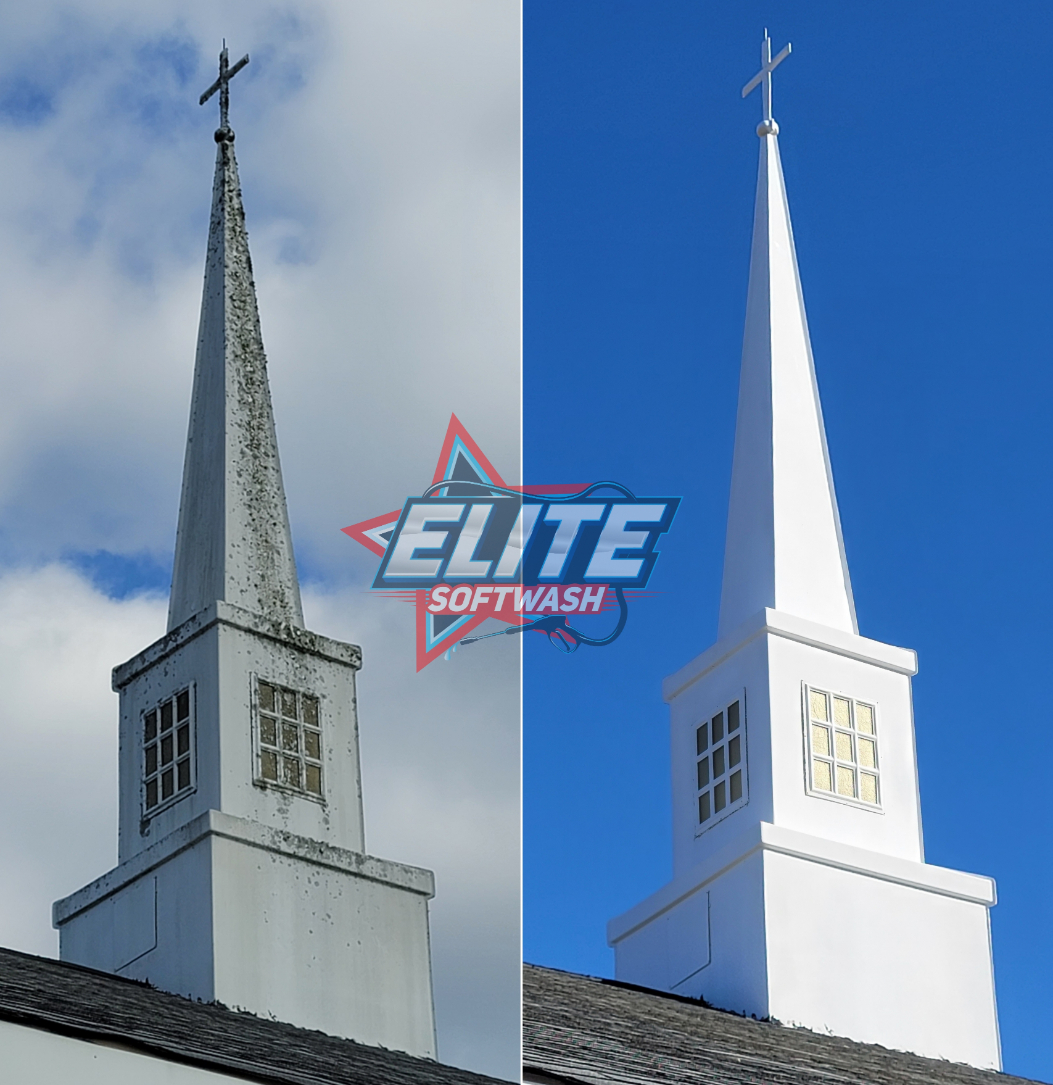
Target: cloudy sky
378,145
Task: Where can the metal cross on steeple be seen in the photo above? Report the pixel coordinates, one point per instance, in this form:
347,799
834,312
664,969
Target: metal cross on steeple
763,78
222,84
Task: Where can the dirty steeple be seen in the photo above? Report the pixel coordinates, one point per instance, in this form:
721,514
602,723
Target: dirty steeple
242,873
233,541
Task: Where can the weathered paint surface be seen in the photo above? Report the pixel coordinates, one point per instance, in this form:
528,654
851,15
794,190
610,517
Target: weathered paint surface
233,541
236,888
284,926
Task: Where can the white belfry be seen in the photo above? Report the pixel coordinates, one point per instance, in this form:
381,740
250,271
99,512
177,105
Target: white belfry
800,890
242,873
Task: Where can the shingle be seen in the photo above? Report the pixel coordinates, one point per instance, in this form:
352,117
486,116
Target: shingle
75,1001
580,1029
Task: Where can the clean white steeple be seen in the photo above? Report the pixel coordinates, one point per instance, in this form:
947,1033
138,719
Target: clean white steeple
784,548
800,889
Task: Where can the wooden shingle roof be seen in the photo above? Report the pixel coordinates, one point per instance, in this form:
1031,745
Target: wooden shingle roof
577,1029
97,1007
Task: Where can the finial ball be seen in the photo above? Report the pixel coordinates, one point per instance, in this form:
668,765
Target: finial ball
767,128
224,135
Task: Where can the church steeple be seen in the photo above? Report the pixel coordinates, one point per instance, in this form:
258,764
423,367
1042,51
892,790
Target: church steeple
233,542
242,873
784,548
800,889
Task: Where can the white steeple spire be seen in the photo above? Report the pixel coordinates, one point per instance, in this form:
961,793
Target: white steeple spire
784,548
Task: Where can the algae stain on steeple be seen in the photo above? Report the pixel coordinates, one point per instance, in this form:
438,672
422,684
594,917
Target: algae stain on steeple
233,540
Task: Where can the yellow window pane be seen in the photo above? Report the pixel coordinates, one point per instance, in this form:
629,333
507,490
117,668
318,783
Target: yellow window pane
843,744
865,719
820,739
867,787
842,712
819,706
821,780
846,782
867,753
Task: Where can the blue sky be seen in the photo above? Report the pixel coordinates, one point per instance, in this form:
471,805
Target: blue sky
918,175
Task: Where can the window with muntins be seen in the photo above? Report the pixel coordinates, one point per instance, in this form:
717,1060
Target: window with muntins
168,743
720,764
288,740
842,747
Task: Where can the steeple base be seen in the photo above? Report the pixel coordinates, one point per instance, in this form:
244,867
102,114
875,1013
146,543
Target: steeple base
225,909
827,936
242,873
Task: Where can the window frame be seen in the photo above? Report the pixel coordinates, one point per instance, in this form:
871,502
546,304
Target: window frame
146,777
877,771
258,779
716,816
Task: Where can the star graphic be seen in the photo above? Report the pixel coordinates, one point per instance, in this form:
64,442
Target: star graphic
461,460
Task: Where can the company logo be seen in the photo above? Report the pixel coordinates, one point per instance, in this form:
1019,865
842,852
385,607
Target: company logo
470,548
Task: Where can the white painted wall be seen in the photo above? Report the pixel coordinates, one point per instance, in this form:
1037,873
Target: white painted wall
830,937
323,948
262,921
35,1057
820,912
879,961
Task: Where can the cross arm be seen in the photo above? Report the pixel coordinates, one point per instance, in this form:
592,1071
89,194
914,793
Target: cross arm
224,77
768,68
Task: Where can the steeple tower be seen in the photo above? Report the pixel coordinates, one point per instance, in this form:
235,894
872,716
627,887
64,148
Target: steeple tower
242,875
800,890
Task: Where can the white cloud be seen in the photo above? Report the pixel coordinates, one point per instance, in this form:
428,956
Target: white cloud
378,145
59,638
